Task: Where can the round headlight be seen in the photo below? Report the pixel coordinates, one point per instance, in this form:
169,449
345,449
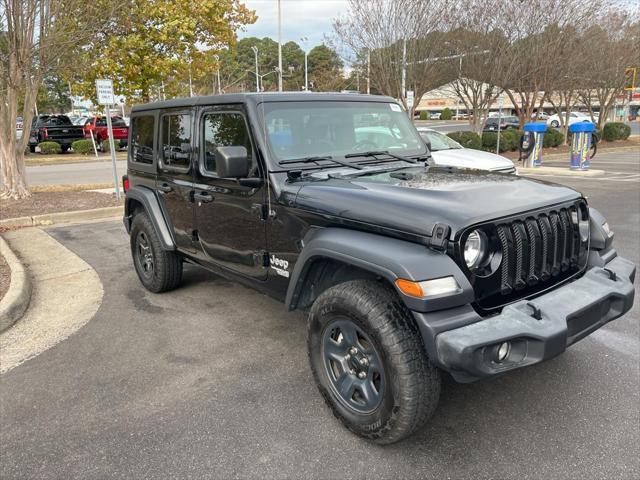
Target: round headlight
475,249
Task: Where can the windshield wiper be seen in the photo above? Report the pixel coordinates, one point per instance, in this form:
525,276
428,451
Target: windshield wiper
376,154
316,159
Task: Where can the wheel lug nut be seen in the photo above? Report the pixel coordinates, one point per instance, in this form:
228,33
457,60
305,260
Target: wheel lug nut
347,356
362,374
353,350
364,361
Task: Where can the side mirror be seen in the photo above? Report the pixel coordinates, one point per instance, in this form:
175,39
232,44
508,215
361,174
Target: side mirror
232,162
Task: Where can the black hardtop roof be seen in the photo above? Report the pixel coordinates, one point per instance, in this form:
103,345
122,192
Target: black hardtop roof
255,98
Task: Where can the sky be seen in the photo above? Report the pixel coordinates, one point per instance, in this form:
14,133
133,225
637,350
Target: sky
300,18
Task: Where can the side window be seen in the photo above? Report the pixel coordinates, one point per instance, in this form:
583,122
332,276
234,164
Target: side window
101,122
142,139
175,138
224,130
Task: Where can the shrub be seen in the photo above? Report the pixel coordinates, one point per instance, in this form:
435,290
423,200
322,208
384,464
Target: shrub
50,147
105,146
509,140
424,115
467,139
615,131
446,114
83,147
553,138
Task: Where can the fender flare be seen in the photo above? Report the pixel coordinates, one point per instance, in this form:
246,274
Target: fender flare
386,257
152,206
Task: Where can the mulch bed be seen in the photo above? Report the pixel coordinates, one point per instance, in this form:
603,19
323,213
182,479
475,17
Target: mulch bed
5,277
40,203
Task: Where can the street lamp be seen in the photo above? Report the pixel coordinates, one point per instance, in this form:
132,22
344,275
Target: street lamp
304,41
279,47
255,52
217,58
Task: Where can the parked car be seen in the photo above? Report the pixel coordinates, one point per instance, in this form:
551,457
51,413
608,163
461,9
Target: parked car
54,128
447,152
404,269
434,115
19,127
505,123
574,117
98,126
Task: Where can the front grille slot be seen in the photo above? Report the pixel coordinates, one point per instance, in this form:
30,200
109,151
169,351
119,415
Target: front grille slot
537,251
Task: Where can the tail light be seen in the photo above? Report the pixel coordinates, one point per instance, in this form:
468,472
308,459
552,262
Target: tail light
125,183
45,133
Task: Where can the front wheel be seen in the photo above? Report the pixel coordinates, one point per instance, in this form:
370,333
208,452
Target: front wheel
159,270
369,363
555,124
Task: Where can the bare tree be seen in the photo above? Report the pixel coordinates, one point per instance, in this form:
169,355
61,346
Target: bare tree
536,32
399,33
37,34
479,55
615,36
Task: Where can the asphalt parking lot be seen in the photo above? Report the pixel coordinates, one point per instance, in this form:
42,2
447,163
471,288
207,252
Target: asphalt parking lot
212,381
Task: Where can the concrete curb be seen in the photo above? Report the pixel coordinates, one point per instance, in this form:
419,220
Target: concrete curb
16,300
66,294
63,217
560,172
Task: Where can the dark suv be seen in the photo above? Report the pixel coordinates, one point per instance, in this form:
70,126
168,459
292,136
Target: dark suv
329,203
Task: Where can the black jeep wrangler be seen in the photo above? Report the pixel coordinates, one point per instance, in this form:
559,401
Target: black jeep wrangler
329,202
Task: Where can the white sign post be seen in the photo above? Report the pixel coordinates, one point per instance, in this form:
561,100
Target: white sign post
409,99
106,97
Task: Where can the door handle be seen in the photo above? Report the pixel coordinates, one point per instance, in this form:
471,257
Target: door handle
165,188
203,197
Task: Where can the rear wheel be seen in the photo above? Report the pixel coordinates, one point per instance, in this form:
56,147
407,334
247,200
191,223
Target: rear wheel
64,148
368,361
32,148
159,270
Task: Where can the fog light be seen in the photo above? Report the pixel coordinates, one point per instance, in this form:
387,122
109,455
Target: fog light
503,351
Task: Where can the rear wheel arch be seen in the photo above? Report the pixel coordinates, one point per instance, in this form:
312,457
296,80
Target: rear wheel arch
142,199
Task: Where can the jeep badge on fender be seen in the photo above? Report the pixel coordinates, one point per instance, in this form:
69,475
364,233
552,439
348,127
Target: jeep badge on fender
405,269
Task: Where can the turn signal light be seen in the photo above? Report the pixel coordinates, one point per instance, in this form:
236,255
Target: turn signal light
428,288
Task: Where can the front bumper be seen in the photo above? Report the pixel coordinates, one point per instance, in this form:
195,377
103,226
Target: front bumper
540,328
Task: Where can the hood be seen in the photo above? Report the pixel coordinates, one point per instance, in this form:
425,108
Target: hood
469,158
413,200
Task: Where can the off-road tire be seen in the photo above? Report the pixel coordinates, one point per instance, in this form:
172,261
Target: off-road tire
412,388
167,265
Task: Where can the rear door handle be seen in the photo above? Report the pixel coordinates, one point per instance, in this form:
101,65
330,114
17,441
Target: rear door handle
203,197
165,187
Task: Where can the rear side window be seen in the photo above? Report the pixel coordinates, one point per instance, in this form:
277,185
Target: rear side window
142,139
175,137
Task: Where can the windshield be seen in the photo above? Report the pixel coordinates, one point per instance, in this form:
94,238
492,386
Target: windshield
440,141
297,130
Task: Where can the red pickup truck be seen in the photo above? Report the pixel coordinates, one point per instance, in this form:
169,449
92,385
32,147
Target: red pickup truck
98,125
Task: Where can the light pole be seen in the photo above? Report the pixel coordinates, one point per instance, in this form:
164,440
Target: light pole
279,47
403,93
368,71
304,41
217,58
255,52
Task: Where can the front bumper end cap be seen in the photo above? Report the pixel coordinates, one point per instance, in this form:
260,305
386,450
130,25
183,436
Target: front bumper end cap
540,328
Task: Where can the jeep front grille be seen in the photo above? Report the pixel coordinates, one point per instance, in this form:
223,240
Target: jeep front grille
534,252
